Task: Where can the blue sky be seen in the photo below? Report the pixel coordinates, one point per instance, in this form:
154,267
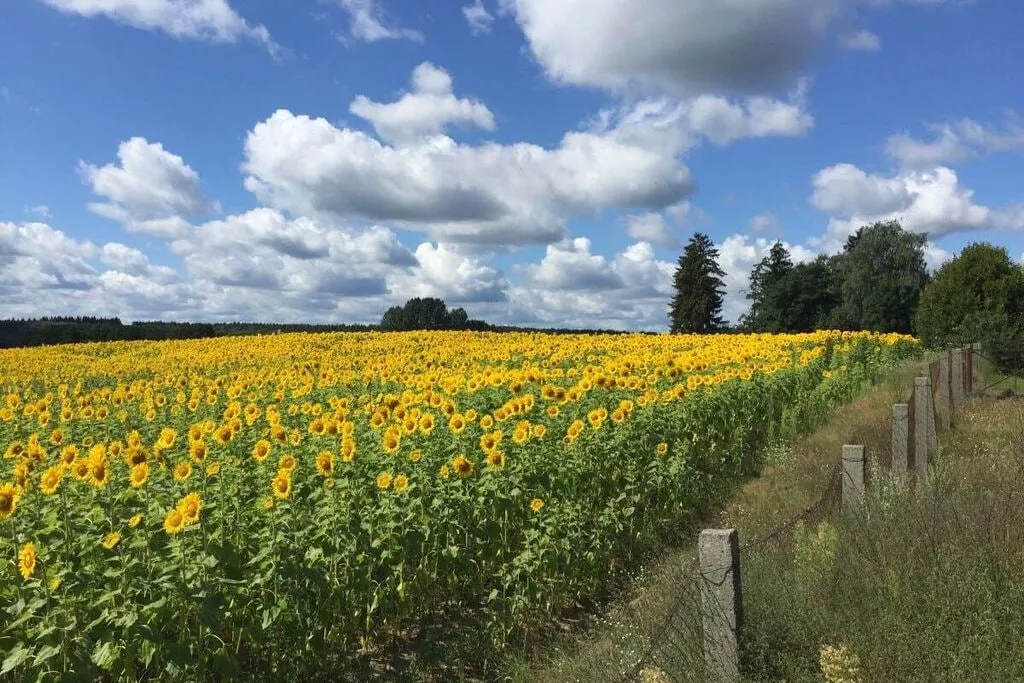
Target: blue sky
535,161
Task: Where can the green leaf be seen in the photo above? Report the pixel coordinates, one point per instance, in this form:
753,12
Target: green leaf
105,654
46,652
16,657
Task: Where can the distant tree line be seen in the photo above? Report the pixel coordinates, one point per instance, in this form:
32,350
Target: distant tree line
878,281
423,314
65,330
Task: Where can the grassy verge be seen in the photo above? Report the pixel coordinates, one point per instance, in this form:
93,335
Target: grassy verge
921,586
662,598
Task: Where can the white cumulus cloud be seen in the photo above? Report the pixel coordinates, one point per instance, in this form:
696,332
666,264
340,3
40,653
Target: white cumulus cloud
151,190
424,111
205,20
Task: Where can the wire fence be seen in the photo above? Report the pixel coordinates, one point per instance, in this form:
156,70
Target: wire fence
685,635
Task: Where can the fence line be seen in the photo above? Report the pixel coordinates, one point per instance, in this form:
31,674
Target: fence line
938,391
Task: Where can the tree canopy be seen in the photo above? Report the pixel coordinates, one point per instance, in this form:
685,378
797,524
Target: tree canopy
978,296
880,275
428,313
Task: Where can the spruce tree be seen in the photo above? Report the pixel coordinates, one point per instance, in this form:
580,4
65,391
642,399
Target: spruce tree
766,314
697,304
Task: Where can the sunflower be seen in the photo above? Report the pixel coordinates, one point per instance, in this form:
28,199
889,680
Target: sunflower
661,448
51,480
174,522
496,459
536,504
282,485
401,483
111,540
486,422
69,454
552,411
80,470
391,444
462,465
223,435
287,463
134,521
15,449
261,450
27,560
8,500
279,433
189,508
138,475
539,431
325,463
348,451
457,424
415,456
197,451
182,471
99,474
426,423
167,438
383,480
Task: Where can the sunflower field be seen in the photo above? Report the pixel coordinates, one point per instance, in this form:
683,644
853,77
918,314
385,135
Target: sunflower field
269,507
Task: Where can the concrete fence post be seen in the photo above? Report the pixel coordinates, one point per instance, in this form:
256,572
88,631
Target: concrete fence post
924,420
721,603
900,440
943,396
853,476
957,377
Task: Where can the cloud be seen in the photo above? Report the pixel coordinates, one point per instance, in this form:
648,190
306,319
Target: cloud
956,142
424,111
444,271
763,221
931,202
205,20
478,18
150,190
679,47
487,194
42,210
861,40
570,266
935,256
846,189
722,121
572,287
651,227
368,23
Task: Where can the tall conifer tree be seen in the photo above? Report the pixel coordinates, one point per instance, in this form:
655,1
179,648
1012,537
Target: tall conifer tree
697,304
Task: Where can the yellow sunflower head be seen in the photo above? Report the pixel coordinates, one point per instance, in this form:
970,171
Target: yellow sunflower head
27,560
189,507
111,540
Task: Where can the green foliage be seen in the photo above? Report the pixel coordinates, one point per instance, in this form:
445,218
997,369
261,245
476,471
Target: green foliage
427,313
766,308
697,304
978,296
788,298
880,273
